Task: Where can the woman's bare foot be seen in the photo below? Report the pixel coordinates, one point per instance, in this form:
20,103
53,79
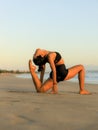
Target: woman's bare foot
84,92
31,67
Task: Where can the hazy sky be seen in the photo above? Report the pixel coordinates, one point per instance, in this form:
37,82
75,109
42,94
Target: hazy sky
67,26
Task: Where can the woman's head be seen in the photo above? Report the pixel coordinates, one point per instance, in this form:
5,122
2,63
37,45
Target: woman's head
39,60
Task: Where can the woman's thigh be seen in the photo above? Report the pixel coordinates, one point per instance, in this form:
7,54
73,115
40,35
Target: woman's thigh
73,71
48,84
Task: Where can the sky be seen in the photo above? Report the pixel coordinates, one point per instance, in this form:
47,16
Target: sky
67,26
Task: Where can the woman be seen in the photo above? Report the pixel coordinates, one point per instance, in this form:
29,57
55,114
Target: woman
58,71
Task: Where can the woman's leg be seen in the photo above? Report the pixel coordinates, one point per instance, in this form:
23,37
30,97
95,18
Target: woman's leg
48,84
73,71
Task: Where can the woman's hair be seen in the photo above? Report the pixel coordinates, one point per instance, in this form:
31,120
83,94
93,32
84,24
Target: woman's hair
40,68
40,61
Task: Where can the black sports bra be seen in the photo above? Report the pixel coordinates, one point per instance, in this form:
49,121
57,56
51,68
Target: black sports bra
58,57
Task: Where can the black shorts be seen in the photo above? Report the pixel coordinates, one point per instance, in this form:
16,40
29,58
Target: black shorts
61,72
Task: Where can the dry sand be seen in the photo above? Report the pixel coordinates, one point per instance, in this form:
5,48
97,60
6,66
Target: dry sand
21,108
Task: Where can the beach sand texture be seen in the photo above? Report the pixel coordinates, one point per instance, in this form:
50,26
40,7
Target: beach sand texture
21,108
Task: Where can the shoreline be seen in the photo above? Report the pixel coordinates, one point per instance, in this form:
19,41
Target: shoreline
89,79
21,108
15,78
11,81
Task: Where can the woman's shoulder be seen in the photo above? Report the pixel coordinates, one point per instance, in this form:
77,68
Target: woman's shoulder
51,53
51,56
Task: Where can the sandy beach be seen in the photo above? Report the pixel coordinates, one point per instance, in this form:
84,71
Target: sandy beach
21,108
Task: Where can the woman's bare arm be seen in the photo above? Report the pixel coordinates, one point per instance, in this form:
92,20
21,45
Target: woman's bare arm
42,74
51,59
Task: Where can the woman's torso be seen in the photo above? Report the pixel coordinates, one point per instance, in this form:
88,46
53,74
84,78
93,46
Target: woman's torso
58,60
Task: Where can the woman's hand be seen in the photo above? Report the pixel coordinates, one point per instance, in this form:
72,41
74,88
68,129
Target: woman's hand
54,89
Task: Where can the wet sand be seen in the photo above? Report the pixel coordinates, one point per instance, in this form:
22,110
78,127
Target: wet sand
21,108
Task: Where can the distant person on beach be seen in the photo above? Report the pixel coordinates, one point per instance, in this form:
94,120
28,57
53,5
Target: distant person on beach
58,73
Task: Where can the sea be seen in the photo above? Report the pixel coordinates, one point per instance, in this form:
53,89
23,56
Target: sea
91,76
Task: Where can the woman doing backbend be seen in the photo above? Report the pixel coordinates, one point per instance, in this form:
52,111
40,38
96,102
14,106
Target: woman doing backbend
58,71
